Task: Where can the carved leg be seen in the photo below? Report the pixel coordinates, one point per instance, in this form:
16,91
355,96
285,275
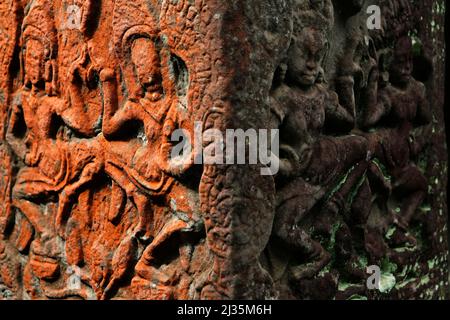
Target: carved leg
337,201
316,256
122,261
33,213
412,185
144,228
66,196
118,201
334,157
31,183
300,242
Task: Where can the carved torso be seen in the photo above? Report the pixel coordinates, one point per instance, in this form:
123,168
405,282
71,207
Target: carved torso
303,114
405,103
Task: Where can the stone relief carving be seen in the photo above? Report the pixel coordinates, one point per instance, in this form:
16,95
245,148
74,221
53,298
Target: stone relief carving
346,191
92,205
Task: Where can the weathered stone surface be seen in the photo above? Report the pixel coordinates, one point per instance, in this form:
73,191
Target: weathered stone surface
93,206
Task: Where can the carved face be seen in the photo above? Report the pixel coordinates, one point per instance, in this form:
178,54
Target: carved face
402,66
34,61
305,58
145,58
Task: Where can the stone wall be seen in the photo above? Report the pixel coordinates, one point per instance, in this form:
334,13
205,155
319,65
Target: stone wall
94,206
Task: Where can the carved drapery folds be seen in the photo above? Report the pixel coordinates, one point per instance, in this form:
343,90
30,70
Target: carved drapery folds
93,206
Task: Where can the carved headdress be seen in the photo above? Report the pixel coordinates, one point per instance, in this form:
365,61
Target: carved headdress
39,25
132,20
314,19
316,14
398,17
307,15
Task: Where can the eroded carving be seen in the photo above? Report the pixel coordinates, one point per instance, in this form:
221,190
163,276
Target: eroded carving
93,206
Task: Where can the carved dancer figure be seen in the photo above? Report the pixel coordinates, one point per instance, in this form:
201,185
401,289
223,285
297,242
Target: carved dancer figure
148,112
51,166
74,113
79,66
311,162
355,60
395,111
55,167
147,118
